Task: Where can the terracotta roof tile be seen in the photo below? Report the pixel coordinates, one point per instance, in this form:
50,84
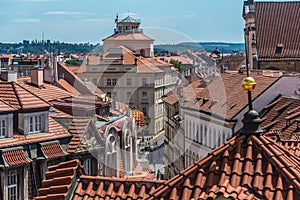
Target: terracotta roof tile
19,97
127,36
228,102
5,107
59,180
53,150
64,84
114,188
281,118
171,98
272,29
253,167
77,128
47,92
15,158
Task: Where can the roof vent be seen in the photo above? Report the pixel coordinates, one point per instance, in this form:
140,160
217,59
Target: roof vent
213,102
205,100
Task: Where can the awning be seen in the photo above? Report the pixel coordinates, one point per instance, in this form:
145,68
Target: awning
14,157
52,150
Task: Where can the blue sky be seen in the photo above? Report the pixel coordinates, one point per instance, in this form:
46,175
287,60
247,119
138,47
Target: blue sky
92,20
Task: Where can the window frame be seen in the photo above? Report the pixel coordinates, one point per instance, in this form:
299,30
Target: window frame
88,166
11,186
128,81
35,124
3,129
144,95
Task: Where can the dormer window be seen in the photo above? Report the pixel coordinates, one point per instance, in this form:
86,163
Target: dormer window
279,48
6,125
298,125
35,124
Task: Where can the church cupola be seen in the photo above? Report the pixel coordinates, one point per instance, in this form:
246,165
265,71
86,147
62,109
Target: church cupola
128,24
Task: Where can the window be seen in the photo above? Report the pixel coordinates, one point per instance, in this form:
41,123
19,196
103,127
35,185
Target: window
35,124
144,95
12,186
128,95
128,81
111,81
144,110
88,166
144,81
2,128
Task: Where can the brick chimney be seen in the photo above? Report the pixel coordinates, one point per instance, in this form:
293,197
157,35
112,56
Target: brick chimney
37,77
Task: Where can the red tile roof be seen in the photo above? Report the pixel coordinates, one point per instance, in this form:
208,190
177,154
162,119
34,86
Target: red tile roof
292,146
114,188
15,158
19,97
223,96
64,84
127,36
59,180
77,128
280,118
144,65
47,92
171,98
277,23
253,167
53,150
245,167
5,107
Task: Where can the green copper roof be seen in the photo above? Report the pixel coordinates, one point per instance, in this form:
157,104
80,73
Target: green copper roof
129,20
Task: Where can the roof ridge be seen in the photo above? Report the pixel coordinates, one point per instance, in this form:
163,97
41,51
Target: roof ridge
16,94
33,94
6,103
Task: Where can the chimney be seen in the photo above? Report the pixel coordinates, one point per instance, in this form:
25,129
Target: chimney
10,76
37,77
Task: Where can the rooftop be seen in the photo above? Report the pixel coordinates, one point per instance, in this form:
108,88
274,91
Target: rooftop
270,16
223,96
19,97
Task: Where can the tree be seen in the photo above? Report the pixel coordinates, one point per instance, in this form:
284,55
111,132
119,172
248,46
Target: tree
177,64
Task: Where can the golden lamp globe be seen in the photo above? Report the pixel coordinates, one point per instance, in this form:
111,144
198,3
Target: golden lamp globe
248,84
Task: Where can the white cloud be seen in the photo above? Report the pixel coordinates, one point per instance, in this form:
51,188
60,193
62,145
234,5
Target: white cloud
189,16
67,13
27,20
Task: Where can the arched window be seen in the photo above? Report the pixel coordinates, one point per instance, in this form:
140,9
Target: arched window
112,154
